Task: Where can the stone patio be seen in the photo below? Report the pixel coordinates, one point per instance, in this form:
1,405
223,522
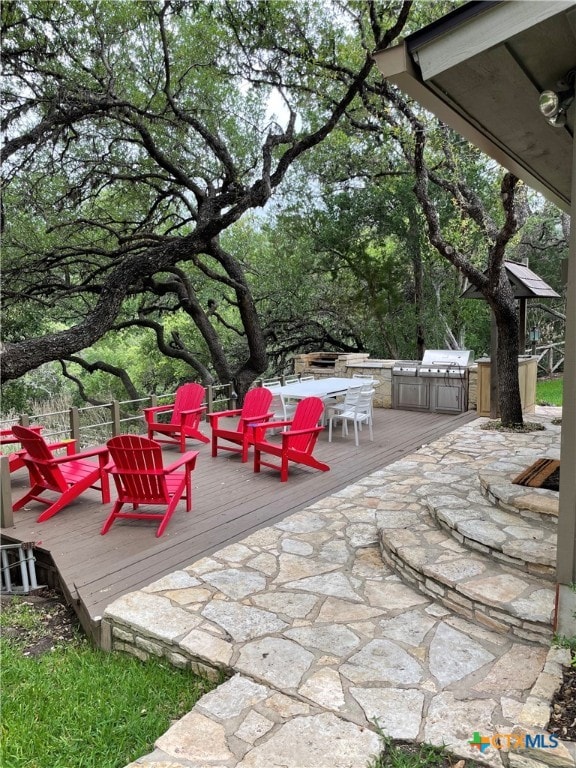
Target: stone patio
410,599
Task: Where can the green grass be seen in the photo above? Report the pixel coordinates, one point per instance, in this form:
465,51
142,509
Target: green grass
549,391
408,755
78,706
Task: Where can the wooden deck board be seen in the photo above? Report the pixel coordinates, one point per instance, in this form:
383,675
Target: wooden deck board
229,503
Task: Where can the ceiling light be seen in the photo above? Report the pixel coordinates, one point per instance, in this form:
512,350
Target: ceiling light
554,104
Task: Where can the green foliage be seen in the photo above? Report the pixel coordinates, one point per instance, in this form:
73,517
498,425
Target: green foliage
549,391
79,706
565,641
187,94
39,386
409,755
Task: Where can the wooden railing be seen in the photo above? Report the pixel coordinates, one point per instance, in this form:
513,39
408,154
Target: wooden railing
95,424
550,357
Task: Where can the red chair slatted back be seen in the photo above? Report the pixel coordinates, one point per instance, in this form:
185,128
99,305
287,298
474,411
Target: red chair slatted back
40,459
138,468
188,397
308,413
256,403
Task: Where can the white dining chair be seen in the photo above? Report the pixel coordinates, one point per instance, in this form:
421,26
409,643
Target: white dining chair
367,377
276,406
357,408
289,404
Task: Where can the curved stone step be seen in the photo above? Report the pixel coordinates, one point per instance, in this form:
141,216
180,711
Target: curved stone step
471,584
538,504
525,544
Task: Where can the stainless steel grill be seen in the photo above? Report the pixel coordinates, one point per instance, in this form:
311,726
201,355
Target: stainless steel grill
438,383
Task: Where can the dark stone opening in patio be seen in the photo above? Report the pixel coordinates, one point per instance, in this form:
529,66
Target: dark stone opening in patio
543,473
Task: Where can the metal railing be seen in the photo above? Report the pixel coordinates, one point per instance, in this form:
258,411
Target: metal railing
93,424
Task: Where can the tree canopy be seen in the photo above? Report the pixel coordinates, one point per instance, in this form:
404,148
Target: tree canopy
137,133
221,185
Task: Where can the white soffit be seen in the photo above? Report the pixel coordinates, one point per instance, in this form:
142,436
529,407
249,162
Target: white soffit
489,70
499,24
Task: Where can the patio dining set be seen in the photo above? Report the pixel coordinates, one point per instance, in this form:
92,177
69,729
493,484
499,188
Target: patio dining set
279,422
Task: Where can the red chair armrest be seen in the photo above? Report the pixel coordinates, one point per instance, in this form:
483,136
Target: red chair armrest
215,416
70,446
261,427
101,450
292,432
184,415
185,458
149,412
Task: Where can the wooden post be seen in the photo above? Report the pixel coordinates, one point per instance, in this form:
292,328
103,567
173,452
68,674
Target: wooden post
566,552
209,399
232,396
115,415
6,519
75,426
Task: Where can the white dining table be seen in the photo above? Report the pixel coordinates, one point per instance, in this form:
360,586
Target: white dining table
321,388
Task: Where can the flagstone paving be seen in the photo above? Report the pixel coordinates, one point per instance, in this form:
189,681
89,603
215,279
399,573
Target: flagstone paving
323,638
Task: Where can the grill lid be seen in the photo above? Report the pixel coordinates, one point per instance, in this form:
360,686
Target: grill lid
448,358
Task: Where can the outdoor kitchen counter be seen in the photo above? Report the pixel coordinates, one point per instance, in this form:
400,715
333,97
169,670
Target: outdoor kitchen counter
527,375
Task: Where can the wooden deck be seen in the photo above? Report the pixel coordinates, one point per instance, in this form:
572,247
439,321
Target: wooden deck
230,502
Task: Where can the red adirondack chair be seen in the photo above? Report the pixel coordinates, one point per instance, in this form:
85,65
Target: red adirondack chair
298,440
255,409
68,475
15,460
141,479
187,412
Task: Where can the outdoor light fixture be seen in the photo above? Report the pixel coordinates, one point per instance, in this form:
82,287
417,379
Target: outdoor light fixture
554,104
534,337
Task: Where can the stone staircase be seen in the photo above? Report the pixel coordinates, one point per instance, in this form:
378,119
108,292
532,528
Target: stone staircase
479,545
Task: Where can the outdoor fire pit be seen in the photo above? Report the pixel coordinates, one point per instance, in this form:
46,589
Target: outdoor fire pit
543,473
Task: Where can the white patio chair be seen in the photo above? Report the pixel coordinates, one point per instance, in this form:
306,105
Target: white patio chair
289,404
276,406
367,376
357,408
288,407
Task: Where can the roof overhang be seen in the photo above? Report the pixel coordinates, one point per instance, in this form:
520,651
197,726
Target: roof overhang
481,70
525,284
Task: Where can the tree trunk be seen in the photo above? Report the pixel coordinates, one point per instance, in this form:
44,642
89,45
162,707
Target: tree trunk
507,361
418,269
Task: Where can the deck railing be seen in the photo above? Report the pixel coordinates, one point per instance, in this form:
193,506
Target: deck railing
550,358
93,425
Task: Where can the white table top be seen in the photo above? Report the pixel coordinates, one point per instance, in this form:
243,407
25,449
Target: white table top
318,387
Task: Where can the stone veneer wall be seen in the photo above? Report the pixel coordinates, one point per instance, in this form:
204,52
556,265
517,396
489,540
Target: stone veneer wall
145,645
347,364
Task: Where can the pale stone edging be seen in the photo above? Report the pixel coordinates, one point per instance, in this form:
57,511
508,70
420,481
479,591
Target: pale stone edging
493,548
530,503
450,598
535,714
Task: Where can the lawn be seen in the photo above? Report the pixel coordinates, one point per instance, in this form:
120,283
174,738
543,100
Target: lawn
65,703
549,391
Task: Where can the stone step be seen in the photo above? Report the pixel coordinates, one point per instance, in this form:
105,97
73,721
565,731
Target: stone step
469,583
525,544
537,504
